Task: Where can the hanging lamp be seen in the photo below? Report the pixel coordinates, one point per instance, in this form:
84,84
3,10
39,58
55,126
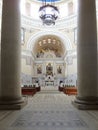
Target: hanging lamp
48,12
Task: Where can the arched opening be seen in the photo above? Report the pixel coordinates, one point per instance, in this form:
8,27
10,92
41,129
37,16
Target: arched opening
49,44
49,53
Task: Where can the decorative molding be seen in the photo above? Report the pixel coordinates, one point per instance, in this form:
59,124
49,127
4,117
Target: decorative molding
28,59
70,56
67,22
63,37
28,53
71,79
69,60
26,79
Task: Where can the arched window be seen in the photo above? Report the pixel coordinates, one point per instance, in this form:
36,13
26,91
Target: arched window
70,8
28,9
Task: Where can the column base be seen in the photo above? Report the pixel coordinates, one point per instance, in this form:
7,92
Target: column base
14,105
87,103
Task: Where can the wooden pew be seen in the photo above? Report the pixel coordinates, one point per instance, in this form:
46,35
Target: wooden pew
60,88
70,90
28,90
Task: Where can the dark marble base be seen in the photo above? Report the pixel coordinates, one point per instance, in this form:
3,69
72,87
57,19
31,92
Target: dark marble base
13,106
87,103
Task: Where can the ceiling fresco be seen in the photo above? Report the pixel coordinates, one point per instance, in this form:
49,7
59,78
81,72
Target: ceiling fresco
48,0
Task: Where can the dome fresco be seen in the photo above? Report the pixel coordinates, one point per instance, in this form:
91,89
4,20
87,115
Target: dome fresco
48,0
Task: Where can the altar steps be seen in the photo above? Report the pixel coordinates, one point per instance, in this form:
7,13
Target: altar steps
49,91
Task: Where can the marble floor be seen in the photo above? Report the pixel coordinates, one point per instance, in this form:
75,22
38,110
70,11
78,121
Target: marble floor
49,110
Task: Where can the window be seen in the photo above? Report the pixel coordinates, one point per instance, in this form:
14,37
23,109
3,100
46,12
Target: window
75,35
28,9
70,8
22,35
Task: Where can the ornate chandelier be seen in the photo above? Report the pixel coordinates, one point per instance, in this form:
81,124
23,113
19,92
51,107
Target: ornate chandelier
48,12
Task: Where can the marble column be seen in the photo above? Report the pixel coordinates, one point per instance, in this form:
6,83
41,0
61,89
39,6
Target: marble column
87,97
0,68
10,96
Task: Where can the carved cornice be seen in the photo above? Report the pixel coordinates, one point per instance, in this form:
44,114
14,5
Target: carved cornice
66,23
70,55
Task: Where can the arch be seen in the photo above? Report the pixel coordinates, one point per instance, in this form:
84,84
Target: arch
64,38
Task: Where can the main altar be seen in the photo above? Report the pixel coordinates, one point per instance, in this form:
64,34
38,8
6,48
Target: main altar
49,80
